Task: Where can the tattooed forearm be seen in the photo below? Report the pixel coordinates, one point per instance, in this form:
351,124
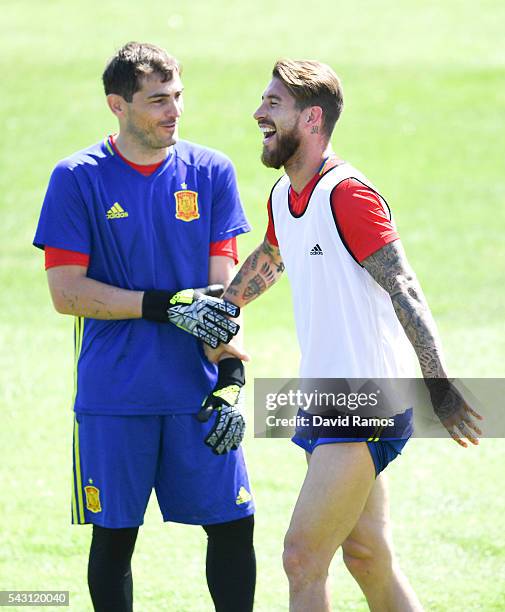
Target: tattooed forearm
390,269
268,273
260,270
255,287
254,259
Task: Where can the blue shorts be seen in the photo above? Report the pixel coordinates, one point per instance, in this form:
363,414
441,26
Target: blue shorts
118,460
384,442
382,451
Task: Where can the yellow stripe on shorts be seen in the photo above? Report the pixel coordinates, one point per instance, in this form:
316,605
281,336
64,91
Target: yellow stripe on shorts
77,504
75,518
372,438
77,499
74,503
378,433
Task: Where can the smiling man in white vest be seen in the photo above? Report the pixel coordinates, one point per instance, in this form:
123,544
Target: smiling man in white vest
359,310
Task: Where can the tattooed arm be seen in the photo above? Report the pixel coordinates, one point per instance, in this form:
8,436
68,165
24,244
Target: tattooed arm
390,269
260,271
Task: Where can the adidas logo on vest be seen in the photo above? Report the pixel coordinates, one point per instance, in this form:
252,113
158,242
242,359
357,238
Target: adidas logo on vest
316,250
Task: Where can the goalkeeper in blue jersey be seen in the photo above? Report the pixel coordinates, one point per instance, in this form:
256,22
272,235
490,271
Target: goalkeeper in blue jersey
132,227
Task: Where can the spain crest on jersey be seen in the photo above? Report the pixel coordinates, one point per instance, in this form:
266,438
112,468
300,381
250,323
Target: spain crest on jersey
92,499
186,205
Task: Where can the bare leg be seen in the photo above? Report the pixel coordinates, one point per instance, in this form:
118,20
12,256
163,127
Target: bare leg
369,556
334,493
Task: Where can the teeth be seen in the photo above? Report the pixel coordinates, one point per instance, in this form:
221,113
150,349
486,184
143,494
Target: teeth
267,130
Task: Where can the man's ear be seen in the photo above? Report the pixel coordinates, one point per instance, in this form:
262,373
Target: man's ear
117,104
314,119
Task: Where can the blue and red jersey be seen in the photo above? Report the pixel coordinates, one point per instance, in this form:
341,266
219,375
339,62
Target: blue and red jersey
141,232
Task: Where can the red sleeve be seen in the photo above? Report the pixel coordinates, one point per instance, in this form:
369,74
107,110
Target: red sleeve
61,257
270,235
362,218
227,248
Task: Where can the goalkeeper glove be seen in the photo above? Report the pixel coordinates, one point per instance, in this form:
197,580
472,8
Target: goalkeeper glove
228,430
195,311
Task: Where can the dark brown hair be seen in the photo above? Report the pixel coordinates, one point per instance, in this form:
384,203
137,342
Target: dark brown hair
312,83
132,62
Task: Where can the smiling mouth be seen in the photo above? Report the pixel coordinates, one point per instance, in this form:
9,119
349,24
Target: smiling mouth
268,132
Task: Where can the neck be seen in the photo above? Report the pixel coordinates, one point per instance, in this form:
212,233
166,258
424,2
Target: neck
304,164
137,152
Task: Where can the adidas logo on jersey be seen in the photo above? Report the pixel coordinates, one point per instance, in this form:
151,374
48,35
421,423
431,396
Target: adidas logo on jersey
116,211
243,496
317,250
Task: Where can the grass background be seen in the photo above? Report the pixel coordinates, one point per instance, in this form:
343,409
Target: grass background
424,112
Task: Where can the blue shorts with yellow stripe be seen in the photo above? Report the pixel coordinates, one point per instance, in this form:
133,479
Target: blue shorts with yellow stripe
119,460
385,443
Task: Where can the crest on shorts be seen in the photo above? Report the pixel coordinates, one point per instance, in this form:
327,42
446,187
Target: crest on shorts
92,499
186,205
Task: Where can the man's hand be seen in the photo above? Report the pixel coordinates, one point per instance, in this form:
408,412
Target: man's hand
228,430
453,411
194,311
226,350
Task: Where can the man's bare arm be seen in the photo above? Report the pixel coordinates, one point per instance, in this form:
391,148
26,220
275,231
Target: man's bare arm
193,311
75,294
390,269
260,271
221,272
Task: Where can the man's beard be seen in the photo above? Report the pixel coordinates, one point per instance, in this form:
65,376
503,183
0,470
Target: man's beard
287,145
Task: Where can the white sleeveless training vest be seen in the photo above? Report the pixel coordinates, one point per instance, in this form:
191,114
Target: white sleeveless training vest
346,324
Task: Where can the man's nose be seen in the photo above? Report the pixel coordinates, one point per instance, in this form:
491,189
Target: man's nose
174,109
259,113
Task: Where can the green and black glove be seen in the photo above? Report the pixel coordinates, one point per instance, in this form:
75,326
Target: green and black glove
195,311
228,430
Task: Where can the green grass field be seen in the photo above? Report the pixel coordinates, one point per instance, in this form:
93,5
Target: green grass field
424,115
